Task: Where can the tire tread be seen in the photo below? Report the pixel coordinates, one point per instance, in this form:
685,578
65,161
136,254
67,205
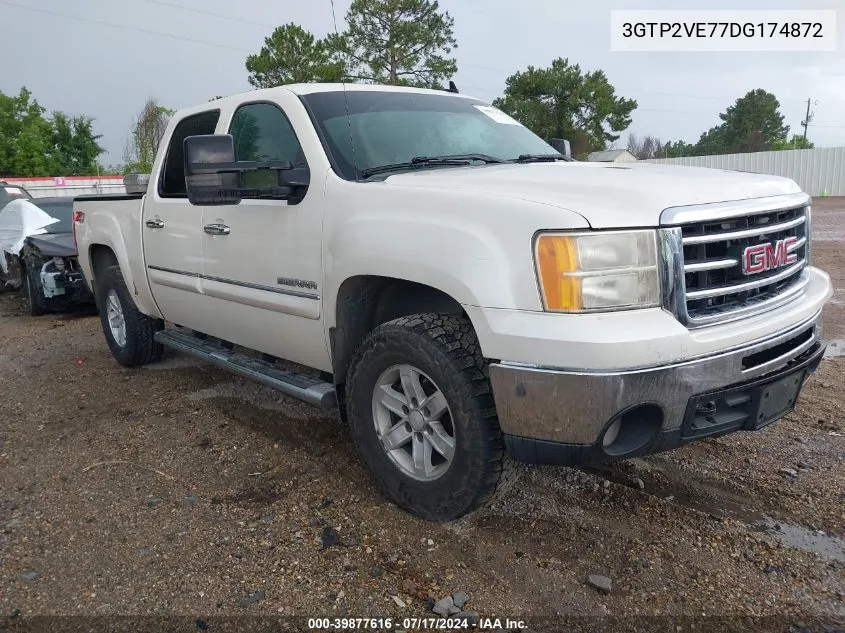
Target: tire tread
457,340
141,347
36,306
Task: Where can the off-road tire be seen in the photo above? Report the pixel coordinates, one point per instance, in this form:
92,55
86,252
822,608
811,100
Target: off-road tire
445,348
35,304
141,347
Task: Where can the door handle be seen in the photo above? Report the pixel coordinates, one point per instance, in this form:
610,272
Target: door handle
217,229
155,223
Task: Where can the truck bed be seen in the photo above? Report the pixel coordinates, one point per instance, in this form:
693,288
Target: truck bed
112,223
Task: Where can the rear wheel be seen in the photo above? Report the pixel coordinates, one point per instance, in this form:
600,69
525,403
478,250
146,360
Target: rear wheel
129,333
422,415
33,298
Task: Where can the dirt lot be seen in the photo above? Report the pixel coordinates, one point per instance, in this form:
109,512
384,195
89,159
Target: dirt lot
178,489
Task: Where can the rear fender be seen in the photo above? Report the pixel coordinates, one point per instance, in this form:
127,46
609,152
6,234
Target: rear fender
108,233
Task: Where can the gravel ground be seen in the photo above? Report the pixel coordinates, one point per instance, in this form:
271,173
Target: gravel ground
177,489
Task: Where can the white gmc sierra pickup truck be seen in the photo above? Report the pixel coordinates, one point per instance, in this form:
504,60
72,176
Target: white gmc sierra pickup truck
456,287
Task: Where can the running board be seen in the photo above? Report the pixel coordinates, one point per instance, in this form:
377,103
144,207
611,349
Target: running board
301,386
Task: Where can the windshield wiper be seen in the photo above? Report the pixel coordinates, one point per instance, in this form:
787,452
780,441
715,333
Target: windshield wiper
540,158
485,158
425,161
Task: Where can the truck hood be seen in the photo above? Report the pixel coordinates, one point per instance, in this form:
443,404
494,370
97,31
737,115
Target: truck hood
607,195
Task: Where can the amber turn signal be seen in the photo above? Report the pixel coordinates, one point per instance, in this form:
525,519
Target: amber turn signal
556,256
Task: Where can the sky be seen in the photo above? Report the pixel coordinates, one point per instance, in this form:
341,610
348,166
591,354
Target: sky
74,56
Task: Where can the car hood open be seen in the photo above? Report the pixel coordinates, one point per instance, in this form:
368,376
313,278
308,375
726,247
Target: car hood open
53,244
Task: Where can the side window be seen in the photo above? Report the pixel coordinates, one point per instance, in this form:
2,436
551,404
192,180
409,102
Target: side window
263,132
172,183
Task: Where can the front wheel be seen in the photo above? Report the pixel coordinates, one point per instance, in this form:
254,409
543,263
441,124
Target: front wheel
422,415
129,333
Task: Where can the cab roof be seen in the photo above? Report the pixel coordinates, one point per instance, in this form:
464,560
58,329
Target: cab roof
312,88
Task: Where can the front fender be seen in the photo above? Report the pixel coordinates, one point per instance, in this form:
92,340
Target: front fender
476,248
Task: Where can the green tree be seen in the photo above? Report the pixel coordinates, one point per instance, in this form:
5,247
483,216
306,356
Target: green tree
563,102
110,170
31,156
678,149
32,144
796,142
292,55
84,148
73,146
753,124
145,136
406,42
711,142
61,139
24,134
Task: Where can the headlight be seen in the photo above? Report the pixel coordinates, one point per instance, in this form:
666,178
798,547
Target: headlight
587,272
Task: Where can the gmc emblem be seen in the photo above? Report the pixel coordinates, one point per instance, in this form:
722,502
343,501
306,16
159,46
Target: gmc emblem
762,257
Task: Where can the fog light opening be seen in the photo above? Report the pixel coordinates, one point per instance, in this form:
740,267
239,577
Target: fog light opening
632,430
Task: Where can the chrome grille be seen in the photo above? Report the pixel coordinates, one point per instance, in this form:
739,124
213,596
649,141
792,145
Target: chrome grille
715,288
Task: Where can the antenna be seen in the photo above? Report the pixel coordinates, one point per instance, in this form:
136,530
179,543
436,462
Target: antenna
346,101
453,87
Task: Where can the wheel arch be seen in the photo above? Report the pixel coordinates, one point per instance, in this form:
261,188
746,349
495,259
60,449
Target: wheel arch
100,256
103,254
366,301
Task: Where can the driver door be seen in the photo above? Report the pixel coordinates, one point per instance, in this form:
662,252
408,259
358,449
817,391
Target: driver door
262,258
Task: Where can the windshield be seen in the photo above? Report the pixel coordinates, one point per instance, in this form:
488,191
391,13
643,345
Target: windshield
386,128
61,209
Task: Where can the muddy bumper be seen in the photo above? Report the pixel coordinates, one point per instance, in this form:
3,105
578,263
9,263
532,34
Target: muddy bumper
563,417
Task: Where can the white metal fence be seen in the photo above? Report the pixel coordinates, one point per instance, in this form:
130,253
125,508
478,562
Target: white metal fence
818,171
69,185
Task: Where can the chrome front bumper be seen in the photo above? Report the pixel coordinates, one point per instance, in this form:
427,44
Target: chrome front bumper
574,408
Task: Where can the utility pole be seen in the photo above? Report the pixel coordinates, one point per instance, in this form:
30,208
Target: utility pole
807,119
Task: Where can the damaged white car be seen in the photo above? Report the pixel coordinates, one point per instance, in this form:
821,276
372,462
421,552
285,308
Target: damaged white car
40,257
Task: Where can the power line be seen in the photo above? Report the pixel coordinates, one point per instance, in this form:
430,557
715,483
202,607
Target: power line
271,26
640,91
495,70
126,27
648,92
232,18
464,64
242,50
211,14
659,110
